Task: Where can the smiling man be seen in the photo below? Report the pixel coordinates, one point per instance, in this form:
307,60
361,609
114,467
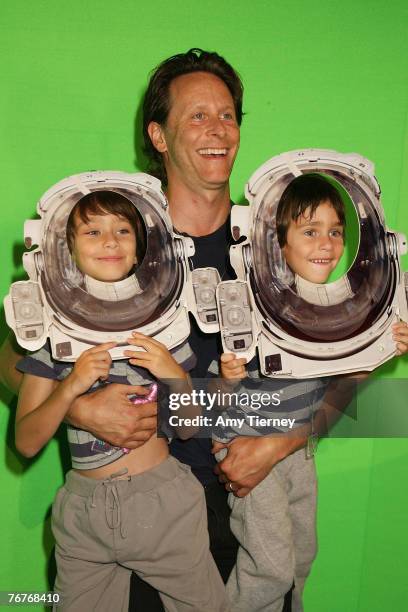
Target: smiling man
199,142
192,113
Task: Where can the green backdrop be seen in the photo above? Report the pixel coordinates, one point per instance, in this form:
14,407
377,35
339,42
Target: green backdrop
316,74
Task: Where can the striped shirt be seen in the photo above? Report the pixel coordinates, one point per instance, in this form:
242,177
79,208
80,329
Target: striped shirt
87,452
291,404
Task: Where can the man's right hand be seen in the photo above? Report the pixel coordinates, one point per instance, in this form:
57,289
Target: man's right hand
110,416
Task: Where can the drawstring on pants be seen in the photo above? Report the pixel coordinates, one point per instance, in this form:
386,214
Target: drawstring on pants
112,500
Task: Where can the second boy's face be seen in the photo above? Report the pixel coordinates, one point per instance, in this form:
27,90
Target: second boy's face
315,244
105,247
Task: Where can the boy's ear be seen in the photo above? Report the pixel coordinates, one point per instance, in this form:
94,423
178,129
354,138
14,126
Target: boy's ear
157,137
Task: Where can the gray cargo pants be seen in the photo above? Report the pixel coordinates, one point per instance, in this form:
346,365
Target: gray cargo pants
153,523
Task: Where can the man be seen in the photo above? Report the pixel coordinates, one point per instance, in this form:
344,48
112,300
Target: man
196,133
192,112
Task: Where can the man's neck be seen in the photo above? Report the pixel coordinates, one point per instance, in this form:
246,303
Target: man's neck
198,213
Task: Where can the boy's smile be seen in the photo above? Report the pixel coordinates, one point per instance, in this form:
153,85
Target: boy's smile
315,244
104,247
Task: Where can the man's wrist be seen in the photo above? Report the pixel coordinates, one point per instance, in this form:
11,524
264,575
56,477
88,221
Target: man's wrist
77,409
288,444
66,391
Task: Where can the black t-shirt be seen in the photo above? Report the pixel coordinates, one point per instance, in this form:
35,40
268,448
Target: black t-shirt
211,251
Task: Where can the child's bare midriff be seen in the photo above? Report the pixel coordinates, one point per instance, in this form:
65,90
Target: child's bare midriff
137,461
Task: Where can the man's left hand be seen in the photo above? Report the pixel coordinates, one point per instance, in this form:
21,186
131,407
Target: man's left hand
250,459
400,335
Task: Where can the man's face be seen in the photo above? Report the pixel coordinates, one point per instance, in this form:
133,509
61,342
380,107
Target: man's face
201,136
314,244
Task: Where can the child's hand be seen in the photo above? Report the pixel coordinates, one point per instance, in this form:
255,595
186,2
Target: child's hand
92,365
233,367
157,359
400,335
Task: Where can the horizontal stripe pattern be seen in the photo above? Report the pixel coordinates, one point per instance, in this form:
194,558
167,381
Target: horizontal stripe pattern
87,452
299,399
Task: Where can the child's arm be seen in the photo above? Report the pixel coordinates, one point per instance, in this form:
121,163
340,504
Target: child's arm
43,402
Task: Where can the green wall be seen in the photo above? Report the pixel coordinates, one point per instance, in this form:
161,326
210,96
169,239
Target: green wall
317,74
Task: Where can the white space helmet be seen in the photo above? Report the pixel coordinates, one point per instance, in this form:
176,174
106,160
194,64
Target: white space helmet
76,311
304,329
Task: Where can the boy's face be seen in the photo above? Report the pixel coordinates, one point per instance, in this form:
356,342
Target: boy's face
314,244
104,247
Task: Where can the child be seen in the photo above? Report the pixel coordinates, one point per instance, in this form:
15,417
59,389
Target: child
118,511
275,522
